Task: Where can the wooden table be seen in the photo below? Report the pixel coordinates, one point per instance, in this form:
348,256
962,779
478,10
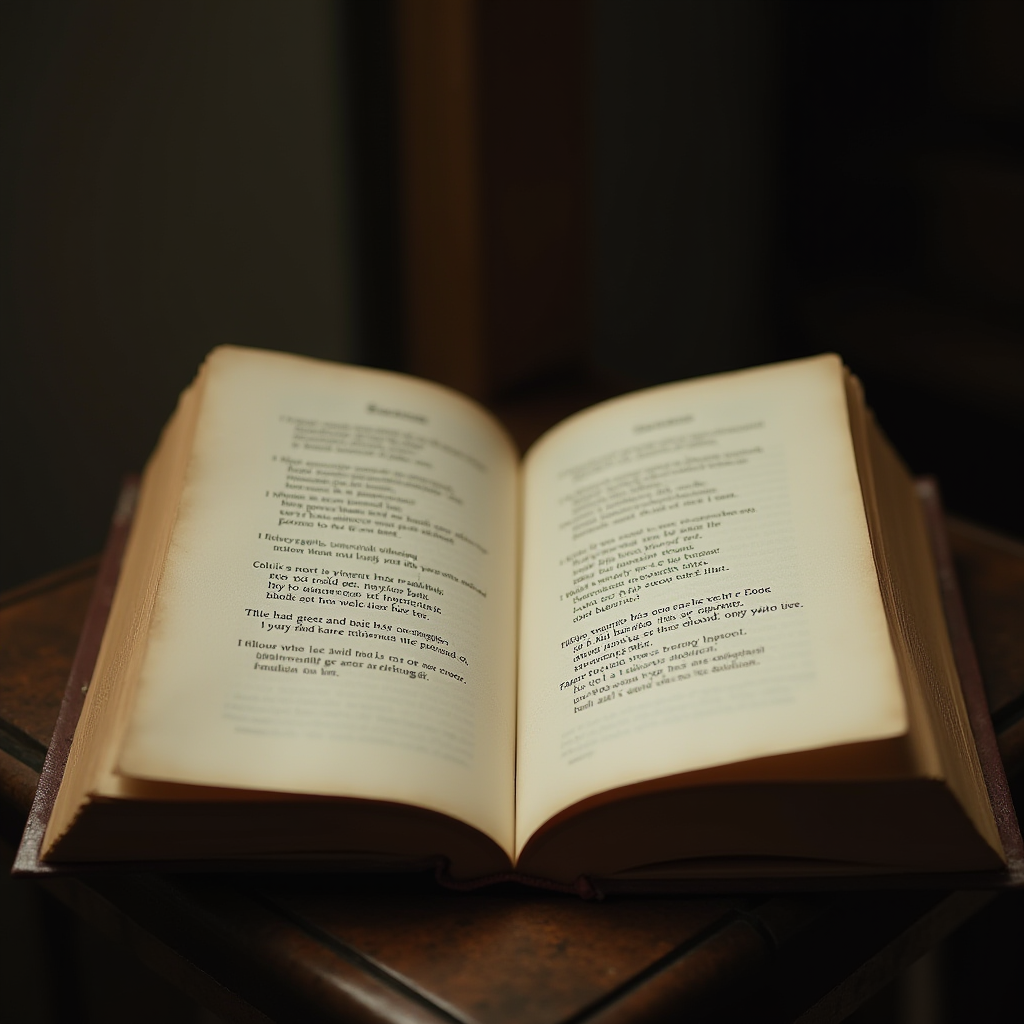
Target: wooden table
315,948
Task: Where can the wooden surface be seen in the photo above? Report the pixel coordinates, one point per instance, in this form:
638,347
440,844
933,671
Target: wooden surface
316,948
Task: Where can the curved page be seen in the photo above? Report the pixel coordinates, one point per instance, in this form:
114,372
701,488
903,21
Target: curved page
336,615
698,587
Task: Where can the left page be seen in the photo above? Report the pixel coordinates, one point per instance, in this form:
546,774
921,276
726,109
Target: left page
337,611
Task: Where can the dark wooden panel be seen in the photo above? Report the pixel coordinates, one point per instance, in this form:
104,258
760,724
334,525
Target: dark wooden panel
991,573
990,569
438,100
493,113
39,627
507,956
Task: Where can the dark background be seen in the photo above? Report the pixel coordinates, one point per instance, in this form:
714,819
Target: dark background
745,181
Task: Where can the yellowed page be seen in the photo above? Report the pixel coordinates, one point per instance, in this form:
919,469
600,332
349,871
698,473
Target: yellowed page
109,690
337,613
698,587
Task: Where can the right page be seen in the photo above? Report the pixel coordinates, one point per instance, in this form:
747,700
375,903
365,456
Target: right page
698,587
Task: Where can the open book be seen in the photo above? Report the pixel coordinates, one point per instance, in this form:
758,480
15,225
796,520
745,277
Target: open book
696,632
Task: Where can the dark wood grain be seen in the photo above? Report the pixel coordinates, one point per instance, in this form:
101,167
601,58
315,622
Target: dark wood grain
503,957
318,948
39,628
990,569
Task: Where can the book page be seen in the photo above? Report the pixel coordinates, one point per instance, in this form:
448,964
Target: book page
337,611
698,587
